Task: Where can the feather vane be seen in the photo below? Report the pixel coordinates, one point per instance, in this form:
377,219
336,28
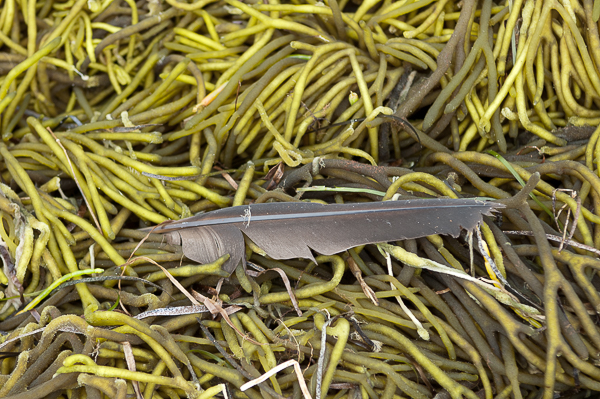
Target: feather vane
287,230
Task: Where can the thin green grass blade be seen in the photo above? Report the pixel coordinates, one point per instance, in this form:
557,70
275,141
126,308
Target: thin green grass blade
520,180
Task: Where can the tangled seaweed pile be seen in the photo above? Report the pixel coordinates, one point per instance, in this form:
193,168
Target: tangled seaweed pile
118,115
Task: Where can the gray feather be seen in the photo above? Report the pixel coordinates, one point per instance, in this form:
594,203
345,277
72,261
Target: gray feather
294,229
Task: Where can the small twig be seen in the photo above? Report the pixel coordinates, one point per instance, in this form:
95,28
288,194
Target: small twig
8,341
172,311
280,321
273,177
167,274
423,333
573,225
130,260
405,90
232,361
321,361
209,98
540,152
368,291
316,120
66,328
215,308
227,391
557,216
129,358
218,287
405,124
421,373
274,371
222,351
552,237
286,282
361,333
230,180
35,314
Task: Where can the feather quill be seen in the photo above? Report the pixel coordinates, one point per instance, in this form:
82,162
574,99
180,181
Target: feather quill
286,230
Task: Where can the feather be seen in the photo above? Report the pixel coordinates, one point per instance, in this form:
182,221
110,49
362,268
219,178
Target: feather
286,230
